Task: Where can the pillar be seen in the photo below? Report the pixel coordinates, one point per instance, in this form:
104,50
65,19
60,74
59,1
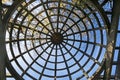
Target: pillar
111,39
2,47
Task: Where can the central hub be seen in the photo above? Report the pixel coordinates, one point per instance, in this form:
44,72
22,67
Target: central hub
57,38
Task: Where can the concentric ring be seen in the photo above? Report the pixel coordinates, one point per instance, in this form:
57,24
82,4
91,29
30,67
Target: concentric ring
56,39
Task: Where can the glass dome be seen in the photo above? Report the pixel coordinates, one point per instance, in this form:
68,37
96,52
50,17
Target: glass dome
56,40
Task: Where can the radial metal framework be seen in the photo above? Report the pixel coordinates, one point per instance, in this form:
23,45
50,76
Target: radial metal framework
56,39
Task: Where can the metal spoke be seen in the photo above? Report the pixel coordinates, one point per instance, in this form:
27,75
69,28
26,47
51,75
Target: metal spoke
81,19
58,14
86,75
68,17
35,59
28,51
28,28
47,15
29,39
55,73
88,42
46,62
38,20
84,31
92,58
65,62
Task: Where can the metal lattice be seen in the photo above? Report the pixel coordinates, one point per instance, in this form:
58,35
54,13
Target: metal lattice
56,39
